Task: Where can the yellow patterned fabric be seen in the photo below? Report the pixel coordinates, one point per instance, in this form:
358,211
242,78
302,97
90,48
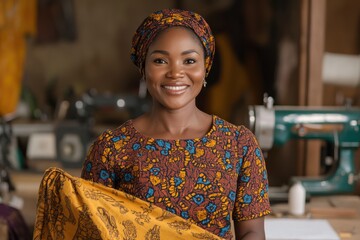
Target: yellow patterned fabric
74,208
17,19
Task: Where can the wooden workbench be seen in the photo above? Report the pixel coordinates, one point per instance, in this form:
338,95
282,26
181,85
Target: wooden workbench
342,212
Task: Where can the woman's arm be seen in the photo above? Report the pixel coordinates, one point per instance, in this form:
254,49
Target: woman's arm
250,229
252,201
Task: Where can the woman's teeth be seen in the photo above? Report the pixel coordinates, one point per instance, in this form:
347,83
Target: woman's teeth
175,88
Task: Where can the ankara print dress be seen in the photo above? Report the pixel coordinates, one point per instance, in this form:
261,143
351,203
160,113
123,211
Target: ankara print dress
206,180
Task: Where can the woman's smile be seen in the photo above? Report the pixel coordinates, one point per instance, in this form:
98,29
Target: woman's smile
175,89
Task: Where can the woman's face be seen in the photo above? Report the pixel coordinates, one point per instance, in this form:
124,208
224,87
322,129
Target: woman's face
175,68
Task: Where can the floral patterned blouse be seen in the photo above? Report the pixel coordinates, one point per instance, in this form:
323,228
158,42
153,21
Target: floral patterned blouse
207,180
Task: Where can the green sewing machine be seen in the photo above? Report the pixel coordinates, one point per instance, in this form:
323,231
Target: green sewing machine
340,126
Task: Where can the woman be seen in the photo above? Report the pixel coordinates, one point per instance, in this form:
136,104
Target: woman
177,158
186,161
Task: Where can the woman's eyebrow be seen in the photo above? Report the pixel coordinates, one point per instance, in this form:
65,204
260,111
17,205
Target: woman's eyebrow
167,53
159,51
190,51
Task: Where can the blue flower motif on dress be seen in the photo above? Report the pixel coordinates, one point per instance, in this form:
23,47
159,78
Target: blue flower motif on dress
225,158
88,167
224,230
136,146
245,178
177,181
160,142
104,174
247,199
264,175
219,122
245,149
239,165
165,145
262,192
200,180
172,210
237,134
211,207
258,153
150,193
232,196
185,214
190,146
204,139
155,171
115,139
224,129
198,199
150,147
128,177
205,221
164,152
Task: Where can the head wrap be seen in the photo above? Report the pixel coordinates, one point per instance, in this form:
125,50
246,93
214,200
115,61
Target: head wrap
163,19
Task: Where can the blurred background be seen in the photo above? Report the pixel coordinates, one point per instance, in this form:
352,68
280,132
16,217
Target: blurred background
66,75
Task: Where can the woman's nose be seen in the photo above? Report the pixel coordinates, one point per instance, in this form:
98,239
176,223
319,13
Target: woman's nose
175,71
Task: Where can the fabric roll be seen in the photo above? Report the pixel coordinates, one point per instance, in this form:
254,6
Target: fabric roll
74,208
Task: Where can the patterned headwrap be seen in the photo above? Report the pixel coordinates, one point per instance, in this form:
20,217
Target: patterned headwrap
160,20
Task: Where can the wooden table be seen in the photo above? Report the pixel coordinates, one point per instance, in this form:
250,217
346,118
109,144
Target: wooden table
342,212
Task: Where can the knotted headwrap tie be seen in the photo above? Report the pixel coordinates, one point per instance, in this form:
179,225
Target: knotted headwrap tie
163,19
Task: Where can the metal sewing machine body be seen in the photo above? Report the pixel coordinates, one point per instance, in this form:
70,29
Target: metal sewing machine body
339,126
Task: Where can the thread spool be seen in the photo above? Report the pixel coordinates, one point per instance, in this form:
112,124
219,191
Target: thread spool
297,199
341,69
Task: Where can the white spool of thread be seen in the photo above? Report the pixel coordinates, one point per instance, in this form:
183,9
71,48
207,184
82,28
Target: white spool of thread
341,69
297,199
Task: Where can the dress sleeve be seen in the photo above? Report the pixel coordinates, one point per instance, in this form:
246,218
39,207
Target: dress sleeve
98,166
252,200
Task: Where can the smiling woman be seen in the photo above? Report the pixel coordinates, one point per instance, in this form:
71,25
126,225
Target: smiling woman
175,68
176,157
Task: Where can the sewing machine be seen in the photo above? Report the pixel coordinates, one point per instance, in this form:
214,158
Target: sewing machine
75,132
340,126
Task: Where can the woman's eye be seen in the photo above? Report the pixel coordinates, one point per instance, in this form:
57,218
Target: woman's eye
190,61
159,61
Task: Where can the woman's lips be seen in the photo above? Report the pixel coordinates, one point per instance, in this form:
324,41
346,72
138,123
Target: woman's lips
175,88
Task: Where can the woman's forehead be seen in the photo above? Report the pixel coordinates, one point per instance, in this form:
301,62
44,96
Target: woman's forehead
175,34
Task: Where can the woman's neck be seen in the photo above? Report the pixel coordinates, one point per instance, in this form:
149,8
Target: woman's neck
174,124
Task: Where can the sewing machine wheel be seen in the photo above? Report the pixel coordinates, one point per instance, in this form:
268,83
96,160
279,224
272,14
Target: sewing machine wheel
72,141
